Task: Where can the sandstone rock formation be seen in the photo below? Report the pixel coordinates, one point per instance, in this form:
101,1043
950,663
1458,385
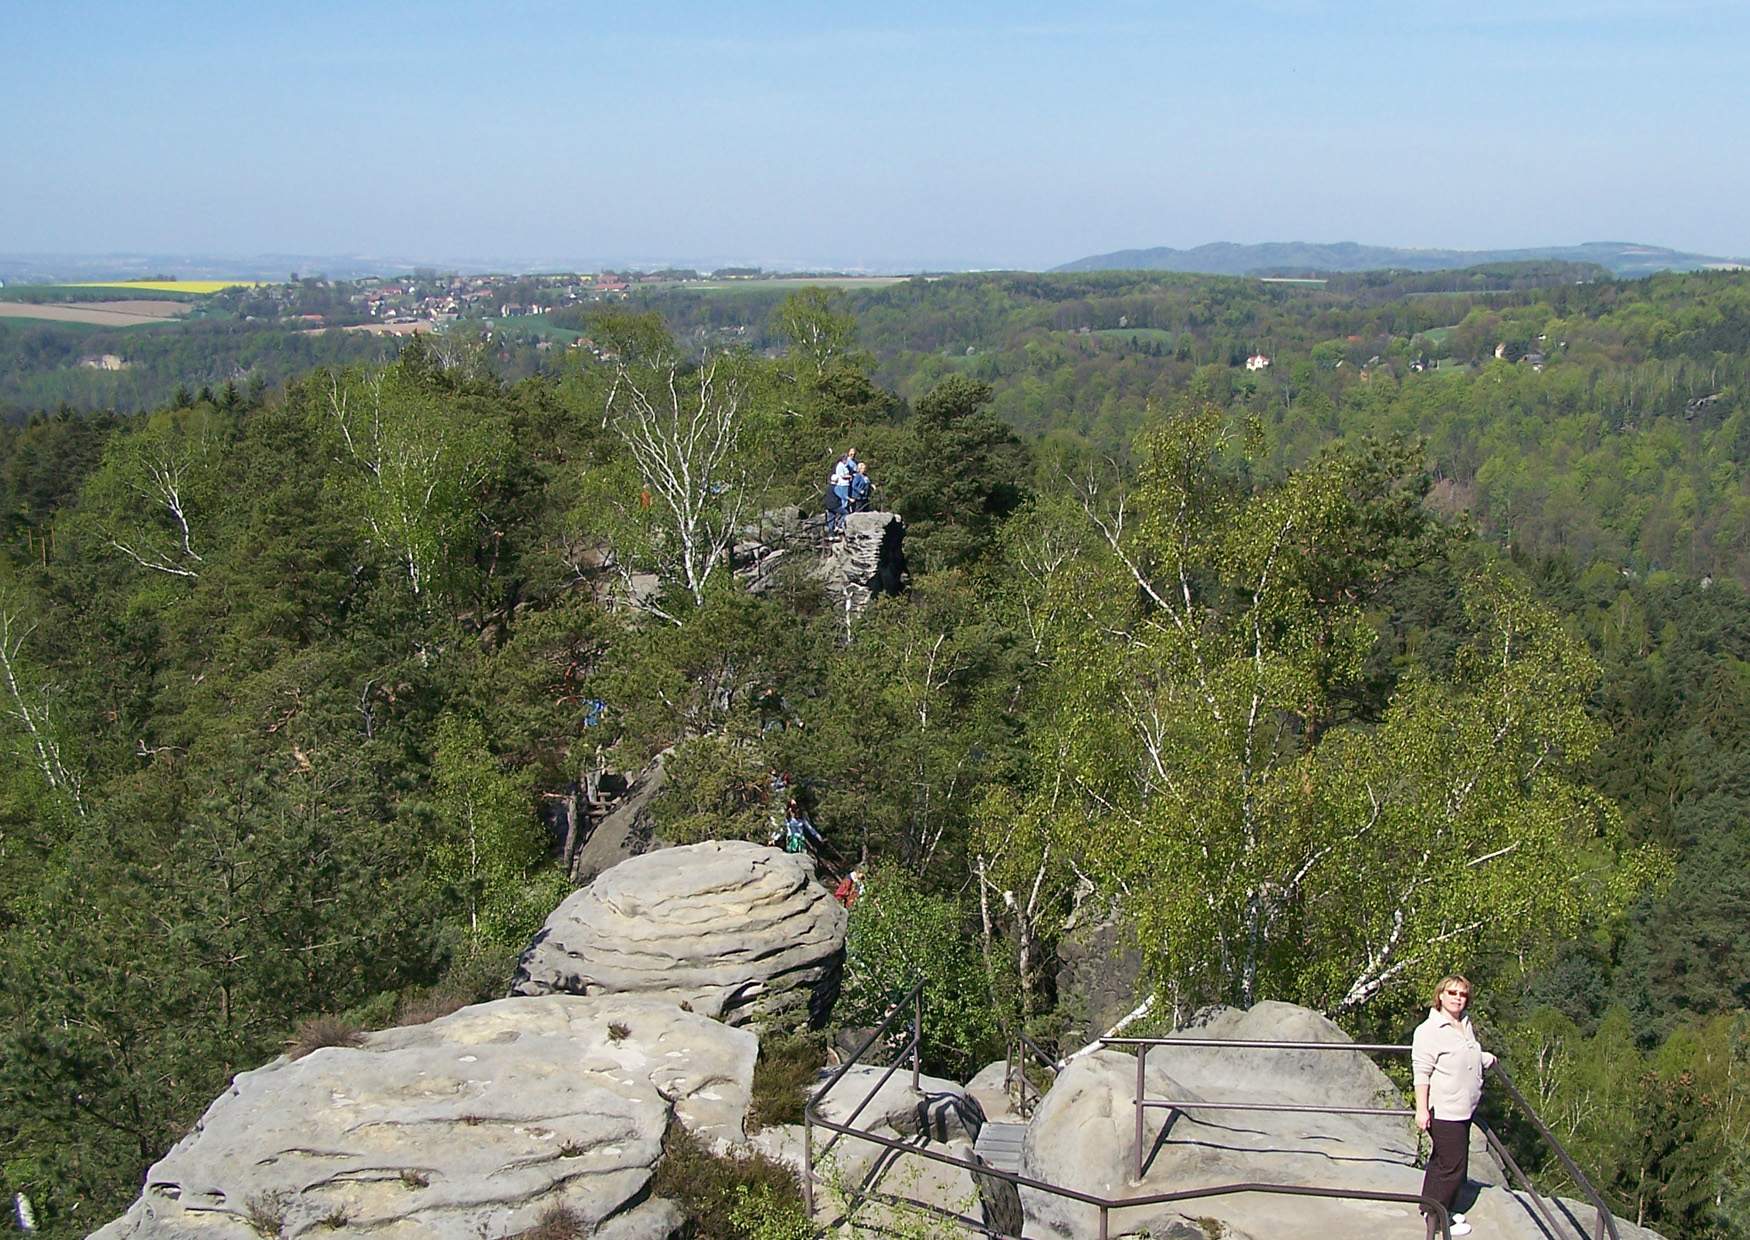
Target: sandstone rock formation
1099,976
734,930
626,830
472,1126
870,560
1082,1137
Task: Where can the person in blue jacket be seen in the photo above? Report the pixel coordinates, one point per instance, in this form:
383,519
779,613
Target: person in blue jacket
860,488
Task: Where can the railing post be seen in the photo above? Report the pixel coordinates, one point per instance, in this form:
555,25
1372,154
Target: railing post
1136,1102
807,1163
1104,1235
917,1035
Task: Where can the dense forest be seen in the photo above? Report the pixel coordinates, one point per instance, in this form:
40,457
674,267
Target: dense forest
1423,648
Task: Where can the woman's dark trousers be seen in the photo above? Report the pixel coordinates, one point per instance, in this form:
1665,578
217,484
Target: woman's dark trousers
1449,1161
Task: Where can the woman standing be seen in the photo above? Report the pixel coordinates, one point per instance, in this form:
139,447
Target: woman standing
1449,1064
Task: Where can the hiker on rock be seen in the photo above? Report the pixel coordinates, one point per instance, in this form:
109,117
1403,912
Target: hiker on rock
860,488
1448,1066
849,888
798,831
839,491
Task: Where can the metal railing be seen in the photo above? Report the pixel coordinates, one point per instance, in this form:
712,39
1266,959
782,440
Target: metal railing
1440,1221
1026,1094
1604,1223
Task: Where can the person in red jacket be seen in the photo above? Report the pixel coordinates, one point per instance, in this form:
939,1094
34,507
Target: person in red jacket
849,888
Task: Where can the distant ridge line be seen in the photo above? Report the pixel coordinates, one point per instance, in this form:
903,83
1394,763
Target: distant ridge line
1288,258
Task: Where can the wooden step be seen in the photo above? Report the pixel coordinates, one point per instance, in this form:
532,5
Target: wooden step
999,1145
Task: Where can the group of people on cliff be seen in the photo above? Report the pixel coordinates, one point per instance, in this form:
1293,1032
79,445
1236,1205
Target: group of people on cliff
848,488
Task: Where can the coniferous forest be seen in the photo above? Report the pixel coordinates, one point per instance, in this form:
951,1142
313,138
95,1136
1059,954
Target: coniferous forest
1324,638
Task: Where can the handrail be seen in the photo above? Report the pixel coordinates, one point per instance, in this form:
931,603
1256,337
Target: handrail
912,998
1438,1215
1015,1070
1436,1210
1605,1224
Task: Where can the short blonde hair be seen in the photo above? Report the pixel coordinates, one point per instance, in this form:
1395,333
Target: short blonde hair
1448,980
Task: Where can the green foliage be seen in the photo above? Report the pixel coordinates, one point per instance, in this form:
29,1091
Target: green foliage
692,463
1268,848
761,1214
782,1078
900,935
487,849
717,788
423,444
727,1195
959,474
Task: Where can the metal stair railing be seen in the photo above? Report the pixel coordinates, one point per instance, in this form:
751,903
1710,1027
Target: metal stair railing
1020,1048
1439,1220
1604,1223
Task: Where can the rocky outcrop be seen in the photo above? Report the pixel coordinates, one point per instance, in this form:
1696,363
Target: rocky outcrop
731,929
625,831
1082,1137
868,560
472,1126
1099,977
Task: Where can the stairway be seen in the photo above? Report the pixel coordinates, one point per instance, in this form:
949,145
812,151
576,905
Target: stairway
999,1148
999,1145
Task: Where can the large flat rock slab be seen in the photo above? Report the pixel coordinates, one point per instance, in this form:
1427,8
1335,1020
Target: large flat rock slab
470,1127
733,930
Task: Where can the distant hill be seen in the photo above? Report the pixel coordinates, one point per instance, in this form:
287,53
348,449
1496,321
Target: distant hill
1290,258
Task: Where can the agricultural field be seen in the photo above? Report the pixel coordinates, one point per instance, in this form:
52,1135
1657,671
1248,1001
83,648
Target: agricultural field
123,313
196,288
533,326
782,284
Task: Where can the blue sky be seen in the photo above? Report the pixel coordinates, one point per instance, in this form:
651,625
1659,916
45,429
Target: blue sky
976,134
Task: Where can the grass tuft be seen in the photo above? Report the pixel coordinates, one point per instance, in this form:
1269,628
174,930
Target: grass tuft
266,1213
322,1031
557,1222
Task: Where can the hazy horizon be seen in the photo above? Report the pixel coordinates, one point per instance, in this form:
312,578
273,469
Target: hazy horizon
899,139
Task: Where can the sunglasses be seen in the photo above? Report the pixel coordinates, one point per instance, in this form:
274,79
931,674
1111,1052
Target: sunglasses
1463,994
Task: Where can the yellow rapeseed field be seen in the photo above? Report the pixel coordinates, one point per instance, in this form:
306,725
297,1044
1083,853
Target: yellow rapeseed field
169,286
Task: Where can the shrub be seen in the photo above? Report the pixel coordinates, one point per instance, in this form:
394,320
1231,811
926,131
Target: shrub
900,935
786,1069
759,1214
557,1222
321,1031
266,1213
709,1188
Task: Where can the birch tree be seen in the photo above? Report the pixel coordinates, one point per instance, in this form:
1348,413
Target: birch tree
692,474
1267,842
27,723
155,487
421,455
